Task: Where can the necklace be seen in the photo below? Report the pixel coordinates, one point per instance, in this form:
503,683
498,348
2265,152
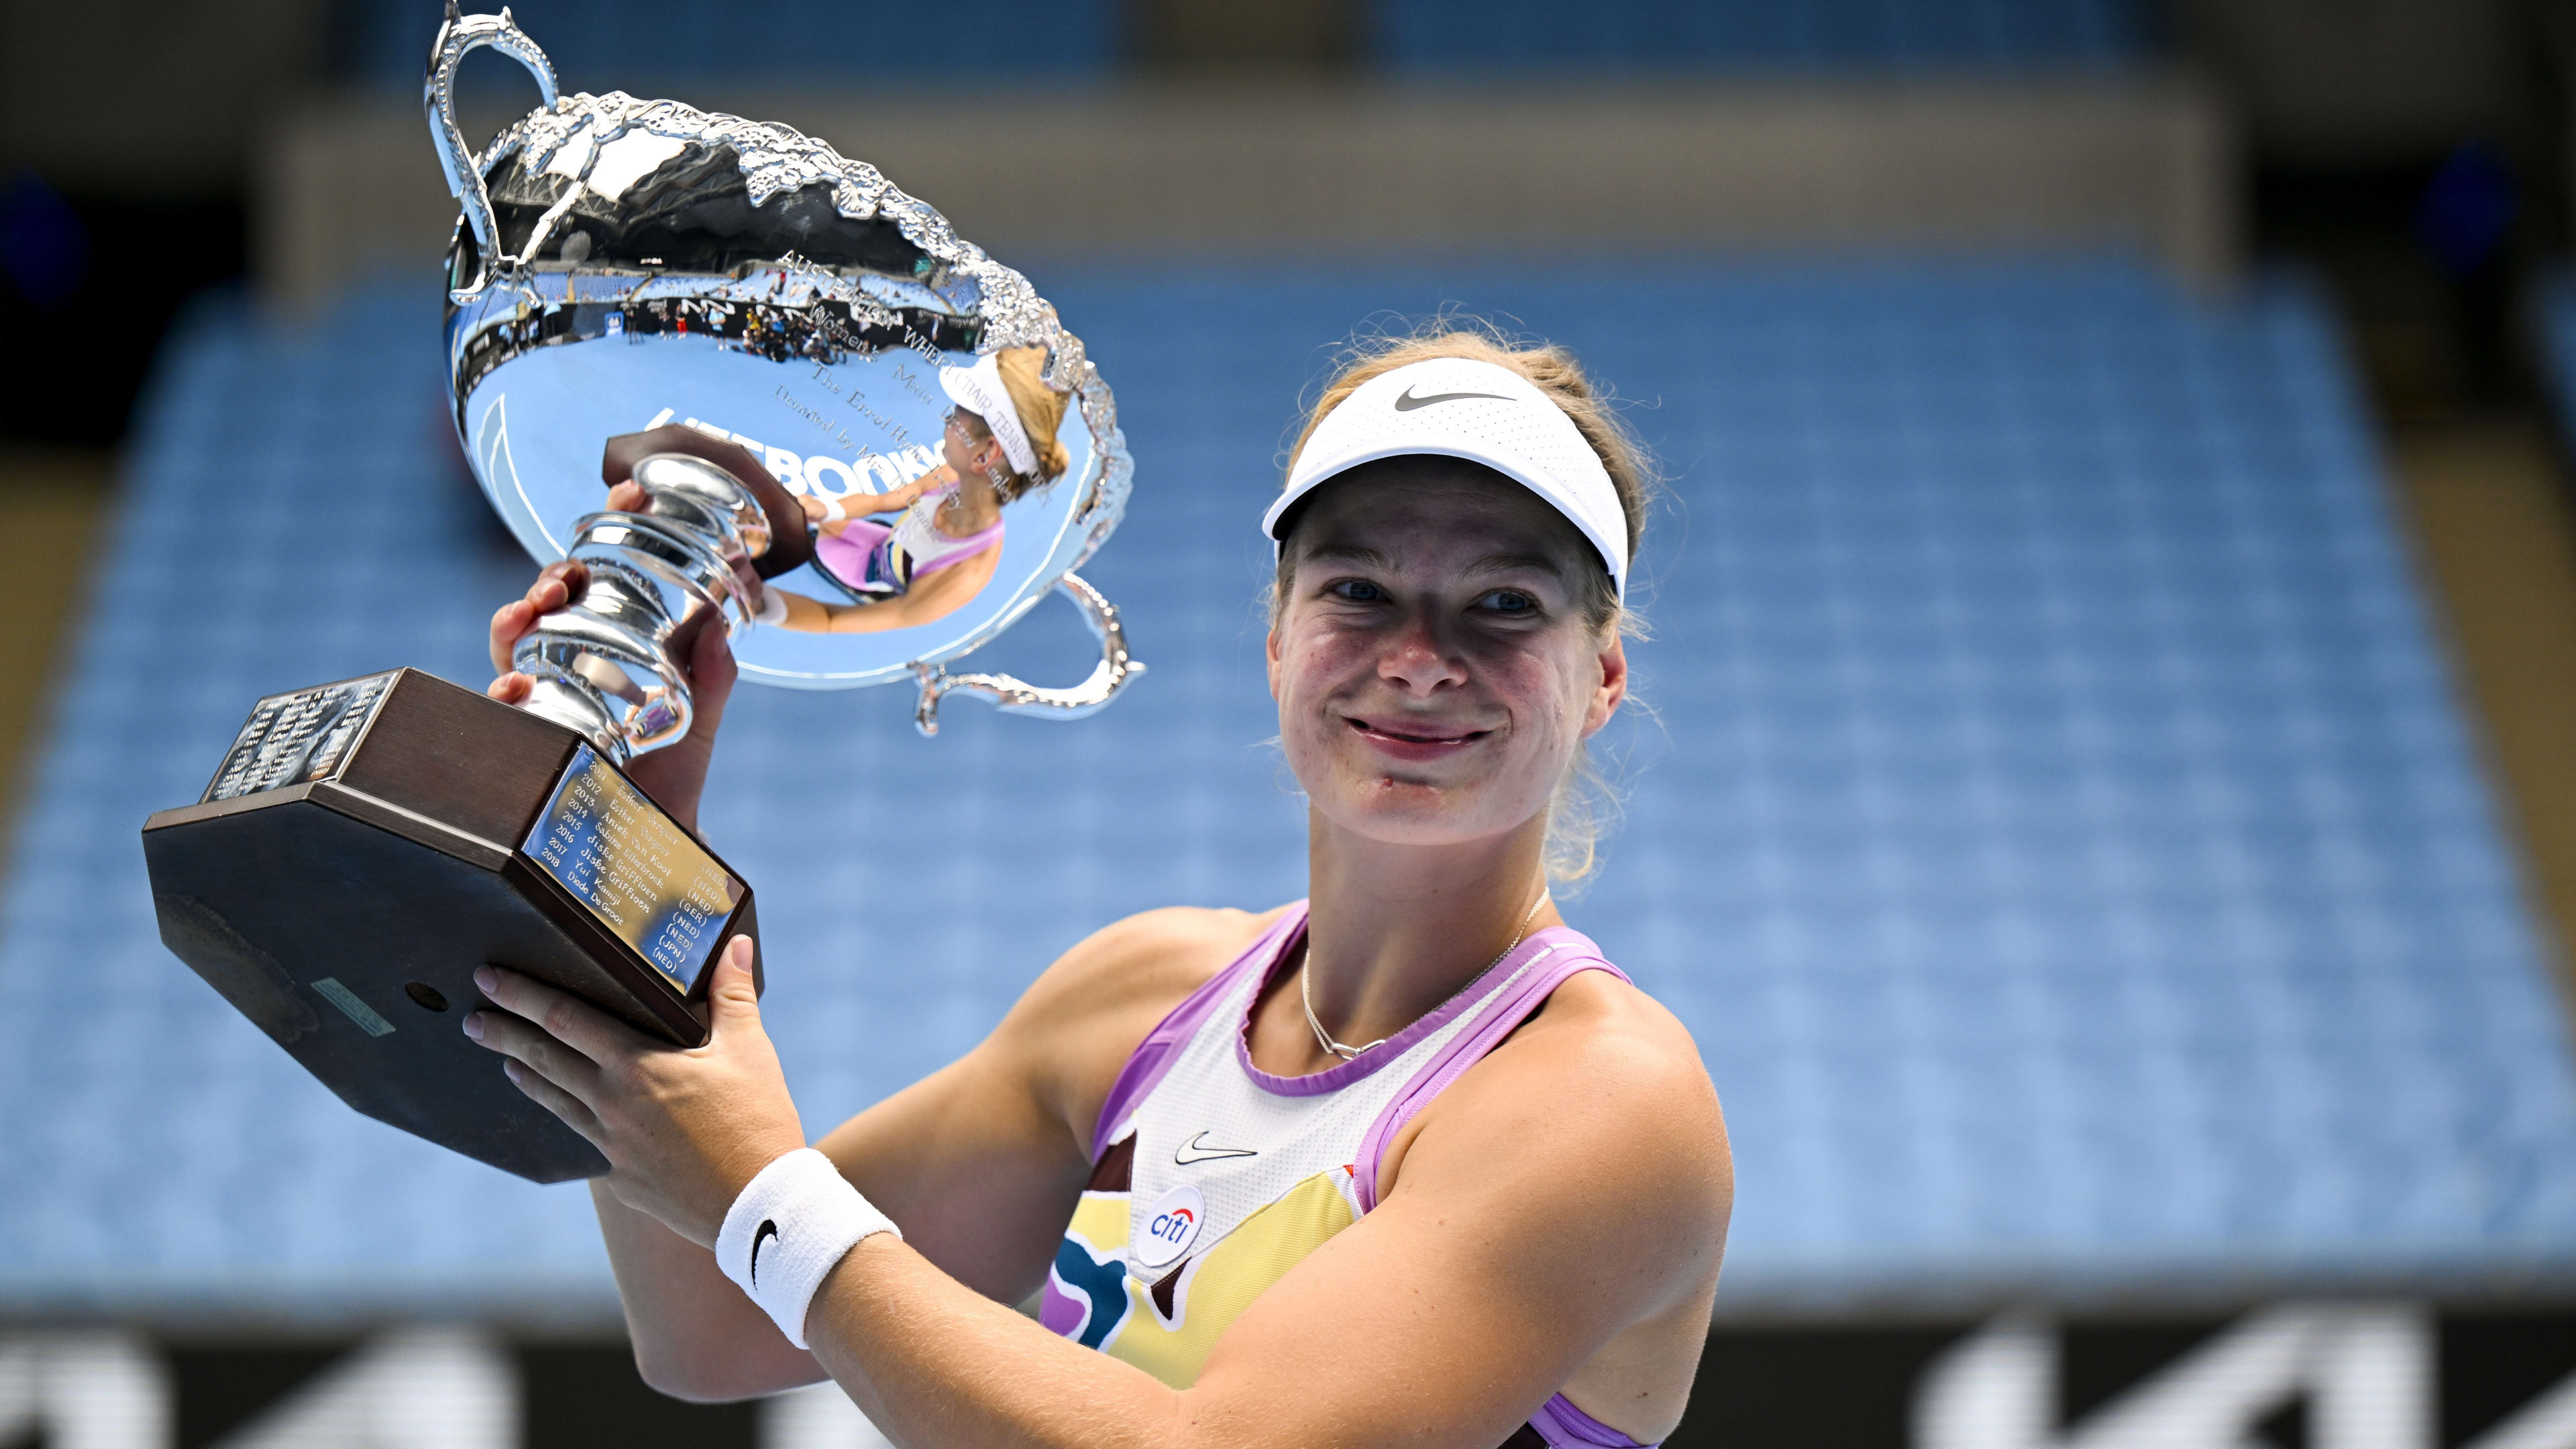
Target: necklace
1324,1039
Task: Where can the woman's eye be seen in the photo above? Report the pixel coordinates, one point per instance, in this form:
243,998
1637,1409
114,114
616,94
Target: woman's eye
1358,591
1510,601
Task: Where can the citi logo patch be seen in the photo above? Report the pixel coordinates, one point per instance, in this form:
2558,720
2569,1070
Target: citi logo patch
1167,1232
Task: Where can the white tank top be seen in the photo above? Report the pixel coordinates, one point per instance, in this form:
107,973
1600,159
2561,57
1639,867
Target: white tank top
1212,1178
923,548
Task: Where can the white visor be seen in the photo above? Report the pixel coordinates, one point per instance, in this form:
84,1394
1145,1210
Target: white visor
1480,411
979,390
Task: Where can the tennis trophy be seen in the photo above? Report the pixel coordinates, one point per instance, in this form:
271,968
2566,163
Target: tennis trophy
863,449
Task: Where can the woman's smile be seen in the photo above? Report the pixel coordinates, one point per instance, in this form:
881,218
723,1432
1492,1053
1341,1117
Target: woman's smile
1416,741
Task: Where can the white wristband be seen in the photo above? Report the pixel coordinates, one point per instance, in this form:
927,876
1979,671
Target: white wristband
773,607
792,1224
833,512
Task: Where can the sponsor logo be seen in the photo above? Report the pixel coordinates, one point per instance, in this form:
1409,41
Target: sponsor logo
1166,1232
1408,402
768,1230
1197,1150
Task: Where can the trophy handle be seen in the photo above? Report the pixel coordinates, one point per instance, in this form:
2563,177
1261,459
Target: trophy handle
1108,677
458,36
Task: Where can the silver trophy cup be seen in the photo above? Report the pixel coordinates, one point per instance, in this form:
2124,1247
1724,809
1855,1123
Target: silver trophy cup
624,265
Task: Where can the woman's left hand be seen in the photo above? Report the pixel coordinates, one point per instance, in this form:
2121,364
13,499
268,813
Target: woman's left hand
683,1128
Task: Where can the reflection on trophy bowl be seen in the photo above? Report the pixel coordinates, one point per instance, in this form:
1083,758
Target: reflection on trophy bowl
622,265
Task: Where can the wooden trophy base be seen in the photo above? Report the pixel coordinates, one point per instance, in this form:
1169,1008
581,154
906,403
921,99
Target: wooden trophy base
368,844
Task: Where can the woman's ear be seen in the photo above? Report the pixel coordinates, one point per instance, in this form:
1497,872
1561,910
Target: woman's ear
1613,687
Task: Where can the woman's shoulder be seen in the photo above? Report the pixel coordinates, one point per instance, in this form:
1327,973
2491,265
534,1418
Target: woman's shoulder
1600,1042
1594,1017
1174,948
1124,977
1086,1014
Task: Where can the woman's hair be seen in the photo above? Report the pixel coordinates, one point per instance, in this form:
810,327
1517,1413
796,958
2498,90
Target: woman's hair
1584,802
1041,410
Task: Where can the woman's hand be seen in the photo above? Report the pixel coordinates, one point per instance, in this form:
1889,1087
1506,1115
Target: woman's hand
676,774
819,517
683,1128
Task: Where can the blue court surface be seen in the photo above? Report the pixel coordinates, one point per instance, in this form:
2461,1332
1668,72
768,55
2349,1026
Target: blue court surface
2053,819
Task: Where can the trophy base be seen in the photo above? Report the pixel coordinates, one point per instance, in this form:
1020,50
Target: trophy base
368,844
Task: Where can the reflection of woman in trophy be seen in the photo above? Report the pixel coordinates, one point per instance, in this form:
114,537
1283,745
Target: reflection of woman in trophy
942,548
1406,1161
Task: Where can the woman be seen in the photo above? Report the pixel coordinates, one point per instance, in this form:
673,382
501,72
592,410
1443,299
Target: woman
1000,445
1406,1160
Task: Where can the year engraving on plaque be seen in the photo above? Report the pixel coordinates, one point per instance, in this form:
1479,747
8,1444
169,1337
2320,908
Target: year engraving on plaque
292,738
644,878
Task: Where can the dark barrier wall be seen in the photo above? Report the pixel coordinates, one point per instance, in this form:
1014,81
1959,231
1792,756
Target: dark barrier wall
2291,1375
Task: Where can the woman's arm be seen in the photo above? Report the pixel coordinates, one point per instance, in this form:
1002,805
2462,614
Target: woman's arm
696,1336
978,1175
862,505
896,500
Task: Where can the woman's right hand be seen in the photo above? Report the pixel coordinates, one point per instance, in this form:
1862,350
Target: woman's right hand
674,775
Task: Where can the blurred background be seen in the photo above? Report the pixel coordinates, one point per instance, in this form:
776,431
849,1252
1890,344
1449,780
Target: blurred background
2108,811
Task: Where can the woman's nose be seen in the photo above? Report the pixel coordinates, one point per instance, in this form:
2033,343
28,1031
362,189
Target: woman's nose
1416,660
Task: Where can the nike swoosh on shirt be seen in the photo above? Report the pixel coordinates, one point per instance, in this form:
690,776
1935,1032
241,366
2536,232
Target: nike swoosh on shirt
768,1230
1197,1150
1408,402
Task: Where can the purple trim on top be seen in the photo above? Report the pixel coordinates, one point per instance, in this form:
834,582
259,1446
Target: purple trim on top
1564,1426
1154,1055
1571,951
1334,1078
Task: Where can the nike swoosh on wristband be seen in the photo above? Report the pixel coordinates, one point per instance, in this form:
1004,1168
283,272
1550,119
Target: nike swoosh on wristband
1197,1150
1408,402
768,1230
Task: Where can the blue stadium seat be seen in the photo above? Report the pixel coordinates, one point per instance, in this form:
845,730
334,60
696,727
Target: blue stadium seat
1810,35
636,45
2053,821
2554,307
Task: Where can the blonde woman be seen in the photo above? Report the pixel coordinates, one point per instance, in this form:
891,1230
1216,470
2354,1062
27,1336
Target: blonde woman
999,446
1404,1162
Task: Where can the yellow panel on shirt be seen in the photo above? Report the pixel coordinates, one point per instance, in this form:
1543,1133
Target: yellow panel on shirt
1207,1291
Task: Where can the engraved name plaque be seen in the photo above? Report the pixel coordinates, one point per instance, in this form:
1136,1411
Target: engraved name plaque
651,885
292,738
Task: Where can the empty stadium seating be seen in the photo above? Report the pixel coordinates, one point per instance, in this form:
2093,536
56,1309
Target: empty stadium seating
603,43
1787,35
600,45
2052,816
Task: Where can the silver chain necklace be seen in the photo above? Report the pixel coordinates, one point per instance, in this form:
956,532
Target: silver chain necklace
1324,1039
